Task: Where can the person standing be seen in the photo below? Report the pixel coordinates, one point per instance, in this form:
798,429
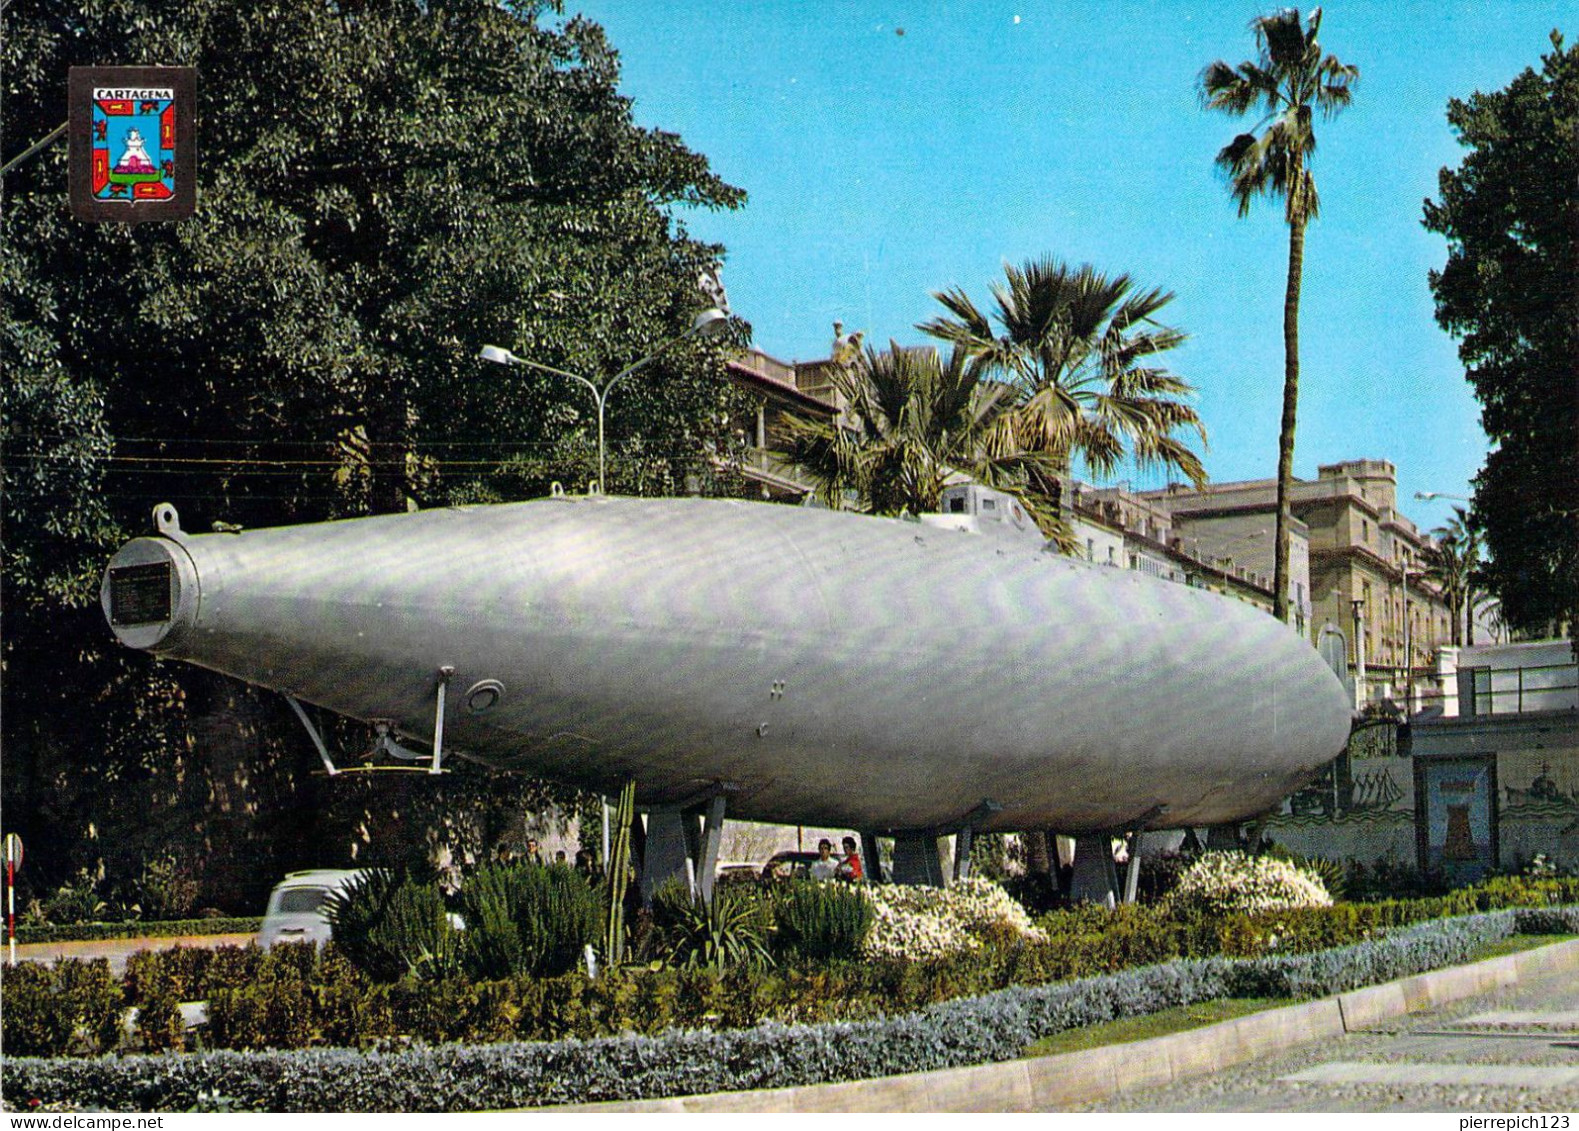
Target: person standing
825,867
850,868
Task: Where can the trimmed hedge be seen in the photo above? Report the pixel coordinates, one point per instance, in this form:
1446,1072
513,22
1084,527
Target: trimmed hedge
135,929
993,1027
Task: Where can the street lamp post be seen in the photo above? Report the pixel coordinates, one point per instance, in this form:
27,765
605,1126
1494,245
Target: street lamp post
1409,659
1359,652
708,324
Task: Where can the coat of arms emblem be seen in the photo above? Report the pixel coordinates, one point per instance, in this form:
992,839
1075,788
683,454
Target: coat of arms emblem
132,139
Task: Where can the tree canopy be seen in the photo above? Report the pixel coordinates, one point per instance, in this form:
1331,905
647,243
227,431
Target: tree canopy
1510,293
1082,354
384,186
919,422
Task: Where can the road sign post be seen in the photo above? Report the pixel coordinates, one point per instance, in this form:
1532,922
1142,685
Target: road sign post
13,861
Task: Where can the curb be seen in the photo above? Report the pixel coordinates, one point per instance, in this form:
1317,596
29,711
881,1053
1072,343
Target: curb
1068,1080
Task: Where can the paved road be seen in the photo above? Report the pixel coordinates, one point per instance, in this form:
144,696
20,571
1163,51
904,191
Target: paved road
1513,1051
119,950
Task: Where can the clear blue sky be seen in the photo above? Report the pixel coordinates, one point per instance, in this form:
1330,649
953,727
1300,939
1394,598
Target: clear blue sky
882,167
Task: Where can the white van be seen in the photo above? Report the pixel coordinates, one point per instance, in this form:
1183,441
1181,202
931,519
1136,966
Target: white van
296,906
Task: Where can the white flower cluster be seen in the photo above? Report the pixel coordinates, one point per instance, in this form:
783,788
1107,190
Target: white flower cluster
1222,883
921,922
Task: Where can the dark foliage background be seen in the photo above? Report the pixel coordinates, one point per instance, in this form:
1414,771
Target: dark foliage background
384,186
1510,293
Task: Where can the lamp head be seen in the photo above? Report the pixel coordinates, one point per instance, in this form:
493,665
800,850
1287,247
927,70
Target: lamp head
710,323
496,354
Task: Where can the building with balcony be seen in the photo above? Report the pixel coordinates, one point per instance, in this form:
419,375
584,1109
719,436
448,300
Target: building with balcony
1120,527
1363,572
777,389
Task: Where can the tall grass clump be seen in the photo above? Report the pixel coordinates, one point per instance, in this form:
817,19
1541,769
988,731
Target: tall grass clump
527,919
821,921
392,926
731,933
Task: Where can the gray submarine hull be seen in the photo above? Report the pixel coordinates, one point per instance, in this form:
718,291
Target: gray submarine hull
822,667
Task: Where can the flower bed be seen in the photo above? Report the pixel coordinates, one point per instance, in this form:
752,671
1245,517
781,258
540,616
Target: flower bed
991,1027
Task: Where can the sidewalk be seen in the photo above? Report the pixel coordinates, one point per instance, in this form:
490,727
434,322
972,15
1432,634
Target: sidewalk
119,950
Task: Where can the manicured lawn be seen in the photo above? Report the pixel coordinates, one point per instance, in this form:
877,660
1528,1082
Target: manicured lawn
1175,1020
1184,1017
1516,943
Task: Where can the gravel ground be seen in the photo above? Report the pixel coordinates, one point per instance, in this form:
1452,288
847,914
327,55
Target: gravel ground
1436,1038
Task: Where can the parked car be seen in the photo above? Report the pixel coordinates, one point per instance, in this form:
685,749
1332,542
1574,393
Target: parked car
787,866
728,874
296,906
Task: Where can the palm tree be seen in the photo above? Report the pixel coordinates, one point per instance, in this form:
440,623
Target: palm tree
1079,353
916,423
1289,79
1445,564
1460,538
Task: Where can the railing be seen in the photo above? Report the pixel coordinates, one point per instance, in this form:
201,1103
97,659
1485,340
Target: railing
770,367
1481,691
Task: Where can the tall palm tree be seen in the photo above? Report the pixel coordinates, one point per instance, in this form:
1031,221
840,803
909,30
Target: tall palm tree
1446,566
1460,538
1080,355
916,421
1286,83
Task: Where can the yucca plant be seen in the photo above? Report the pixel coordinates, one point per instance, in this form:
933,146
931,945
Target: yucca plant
730,932
392,926
823,921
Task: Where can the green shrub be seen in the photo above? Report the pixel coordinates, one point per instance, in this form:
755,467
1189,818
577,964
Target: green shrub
822,922
393,927
74,932
159,1027
527,919
731,932
72,1006
1221,883
979,1029
32,1023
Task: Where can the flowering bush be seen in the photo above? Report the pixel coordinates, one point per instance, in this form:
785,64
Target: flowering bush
919,923
1222,883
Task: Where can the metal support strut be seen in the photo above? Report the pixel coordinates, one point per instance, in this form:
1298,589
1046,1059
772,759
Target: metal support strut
438,720
312,733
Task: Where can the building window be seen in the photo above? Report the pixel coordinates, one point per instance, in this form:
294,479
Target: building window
1091,550
1365,532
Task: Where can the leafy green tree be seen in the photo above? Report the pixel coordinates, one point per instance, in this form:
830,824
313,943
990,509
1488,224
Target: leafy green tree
918,421
384,186
1081,355
1510,215
1288,81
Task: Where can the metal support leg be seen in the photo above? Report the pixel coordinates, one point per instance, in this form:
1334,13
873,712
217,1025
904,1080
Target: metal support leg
712,842
438,720
312,733
962,853
1095,879
916,859
666,857
1132,872
870,857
